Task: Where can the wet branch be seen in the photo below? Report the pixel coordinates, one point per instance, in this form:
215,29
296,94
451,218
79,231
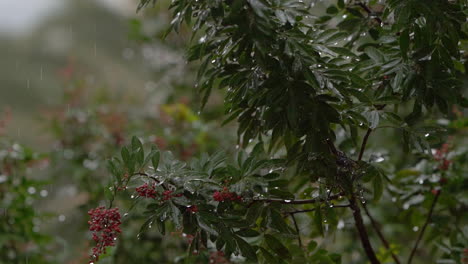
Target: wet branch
297,230
362,231
313,209
428,219
369,12
298,201
364,143
375,225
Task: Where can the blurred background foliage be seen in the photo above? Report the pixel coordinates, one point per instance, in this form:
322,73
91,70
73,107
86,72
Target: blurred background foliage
76,82
79,80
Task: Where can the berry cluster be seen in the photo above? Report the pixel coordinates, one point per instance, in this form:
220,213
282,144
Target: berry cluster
148,191
225,194
192,209
441,156
105,225
168,194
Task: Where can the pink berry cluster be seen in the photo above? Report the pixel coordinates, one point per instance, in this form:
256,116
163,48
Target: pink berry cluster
148,191
441,156
105,225
226,195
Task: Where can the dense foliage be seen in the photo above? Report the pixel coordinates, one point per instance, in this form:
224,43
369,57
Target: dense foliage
309,89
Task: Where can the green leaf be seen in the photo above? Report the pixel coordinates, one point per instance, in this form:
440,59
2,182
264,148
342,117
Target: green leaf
378,187
246,249
332,10
404,43
318,219
276,246
374,54
248,233
125,156
312,246
155,160
270,259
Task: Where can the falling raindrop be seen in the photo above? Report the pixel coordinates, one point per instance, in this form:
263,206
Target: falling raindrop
426,135
41,74
61,218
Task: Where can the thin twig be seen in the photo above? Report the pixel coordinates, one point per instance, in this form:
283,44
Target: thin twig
298,201
313,209
297,230
375,225
364,143
428,219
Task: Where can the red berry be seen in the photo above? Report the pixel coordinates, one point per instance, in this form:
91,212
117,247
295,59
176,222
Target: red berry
435,192
147,191
105,225
192,209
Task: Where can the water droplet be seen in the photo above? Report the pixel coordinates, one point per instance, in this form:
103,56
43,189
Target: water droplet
125,215
61,218
415,228
132,196
287,201
426,135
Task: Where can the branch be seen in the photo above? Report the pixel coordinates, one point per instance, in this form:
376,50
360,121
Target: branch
311,210
297,229
364,143
375,225
369,12
362,231
431,211
299,201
